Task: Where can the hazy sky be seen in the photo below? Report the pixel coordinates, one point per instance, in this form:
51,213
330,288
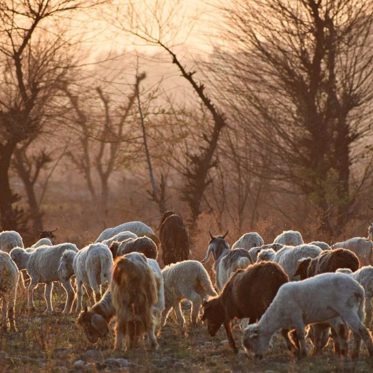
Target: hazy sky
194,22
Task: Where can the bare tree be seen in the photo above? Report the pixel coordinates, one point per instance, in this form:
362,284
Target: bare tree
300,83
31,66
201,159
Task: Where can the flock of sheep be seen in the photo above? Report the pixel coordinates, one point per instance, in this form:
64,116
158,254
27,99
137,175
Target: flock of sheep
304,290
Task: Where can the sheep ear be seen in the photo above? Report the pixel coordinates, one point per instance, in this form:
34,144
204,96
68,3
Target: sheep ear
211,236
225,234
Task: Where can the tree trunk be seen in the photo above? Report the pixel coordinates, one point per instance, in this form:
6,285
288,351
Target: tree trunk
8,214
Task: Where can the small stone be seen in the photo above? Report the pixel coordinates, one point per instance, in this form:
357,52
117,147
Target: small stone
79,364
92,355
117,363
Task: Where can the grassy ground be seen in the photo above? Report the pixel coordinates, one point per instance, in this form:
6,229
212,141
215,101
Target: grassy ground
53,343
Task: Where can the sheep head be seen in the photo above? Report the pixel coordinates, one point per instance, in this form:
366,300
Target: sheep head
213,315
217,247
302,268
20,257
93,324
254,340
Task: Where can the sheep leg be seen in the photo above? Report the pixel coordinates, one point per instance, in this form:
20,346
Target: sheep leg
360,332
30,295
165,315
228,329
119,335
196,305
368,311
69,296
340,336
48,296
11,310
152,337
179,316
290,343
79,293
94,286
299,329
4,316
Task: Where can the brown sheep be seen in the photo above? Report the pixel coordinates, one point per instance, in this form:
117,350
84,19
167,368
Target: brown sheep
247,294
134,292
143,245
174,239
327,261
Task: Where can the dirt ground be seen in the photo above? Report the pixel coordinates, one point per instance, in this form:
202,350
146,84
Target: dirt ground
53,343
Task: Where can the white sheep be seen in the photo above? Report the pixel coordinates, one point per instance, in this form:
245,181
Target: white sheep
321,244
289,256
9,240
92,267
235,259
137,227
254,251
325,297
42,242
290,238
9,275
42,267
120,237
186,280
364,276
362,247
248,240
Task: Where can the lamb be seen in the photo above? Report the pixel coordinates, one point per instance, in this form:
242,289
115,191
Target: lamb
327,261
247,294
134,293
95,321
321,244
42,267
92,267
289,256
362,247
9,240
137,227
290,238
174,238
364,276
321,298
185,280
249,240
42,242
143,245
120,237
8,289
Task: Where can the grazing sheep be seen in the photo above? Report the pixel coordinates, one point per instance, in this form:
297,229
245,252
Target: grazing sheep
317,299
218,247
95,321
143,245
174,239
327,261
289,238
42,267
186,280
247,294
362,247
364,276
321,244
42,242
134,293
8,289
9,240
254,251
289,256
137,227
248,240
92,267
120,237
